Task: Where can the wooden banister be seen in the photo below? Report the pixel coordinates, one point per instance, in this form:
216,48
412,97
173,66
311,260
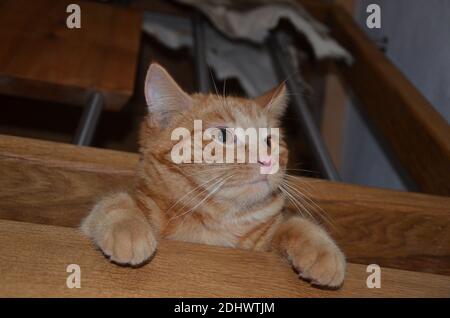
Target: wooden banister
417,135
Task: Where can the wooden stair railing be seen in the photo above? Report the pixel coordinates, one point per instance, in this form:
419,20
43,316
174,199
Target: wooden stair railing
46,188
415,134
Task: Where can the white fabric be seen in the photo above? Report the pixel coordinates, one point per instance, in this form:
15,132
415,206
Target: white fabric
235,48
255,24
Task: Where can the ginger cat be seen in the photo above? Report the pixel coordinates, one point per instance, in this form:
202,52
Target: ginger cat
229,204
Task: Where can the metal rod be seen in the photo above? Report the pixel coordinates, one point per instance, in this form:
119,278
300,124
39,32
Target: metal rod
89,120
284,69
201,67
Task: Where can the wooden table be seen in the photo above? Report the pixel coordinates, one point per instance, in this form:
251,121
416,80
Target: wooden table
40,57
46,188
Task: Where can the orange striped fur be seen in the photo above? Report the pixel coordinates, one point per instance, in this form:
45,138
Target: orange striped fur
228,204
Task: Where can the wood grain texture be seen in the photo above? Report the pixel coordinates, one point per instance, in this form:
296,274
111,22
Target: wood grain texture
34,258
413,130
390,228
41,58
51,183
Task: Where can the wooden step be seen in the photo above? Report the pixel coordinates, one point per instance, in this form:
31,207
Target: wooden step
34,258
51,183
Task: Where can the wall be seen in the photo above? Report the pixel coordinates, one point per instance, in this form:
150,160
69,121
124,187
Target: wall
418,33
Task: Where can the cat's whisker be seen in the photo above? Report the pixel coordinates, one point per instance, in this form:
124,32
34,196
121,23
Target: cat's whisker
224,88
179,170
200,174
287,195
291,199
323,213
208,195
304,208
295,191
190,192
215,88
297,179
204,170
310,202
224,92
301,198
220,184
205,189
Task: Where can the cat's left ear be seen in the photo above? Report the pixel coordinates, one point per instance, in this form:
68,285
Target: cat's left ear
163,96
275,100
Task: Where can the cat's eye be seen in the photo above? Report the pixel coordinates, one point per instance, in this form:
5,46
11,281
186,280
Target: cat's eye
269,141
225,136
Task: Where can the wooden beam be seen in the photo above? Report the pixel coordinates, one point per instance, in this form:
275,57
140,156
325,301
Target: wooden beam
318,9
51,183
34,259
413,130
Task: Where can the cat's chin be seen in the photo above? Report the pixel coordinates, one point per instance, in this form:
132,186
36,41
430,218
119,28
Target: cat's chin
250,191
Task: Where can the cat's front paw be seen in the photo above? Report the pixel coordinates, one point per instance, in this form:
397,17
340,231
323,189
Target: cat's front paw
320,262
128,242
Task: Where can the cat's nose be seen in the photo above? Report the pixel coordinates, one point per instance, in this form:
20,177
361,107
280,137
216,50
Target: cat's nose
265,161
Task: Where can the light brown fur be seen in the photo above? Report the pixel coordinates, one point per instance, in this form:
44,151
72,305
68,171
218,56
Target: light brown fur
243,212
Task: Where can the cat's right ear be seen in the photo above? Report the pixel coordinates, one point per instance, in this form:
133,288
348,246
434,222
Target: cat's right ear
275,100
163,96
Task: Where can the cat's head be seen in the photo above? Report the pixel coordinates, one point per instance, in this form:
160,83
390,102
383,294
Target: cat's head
176,118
